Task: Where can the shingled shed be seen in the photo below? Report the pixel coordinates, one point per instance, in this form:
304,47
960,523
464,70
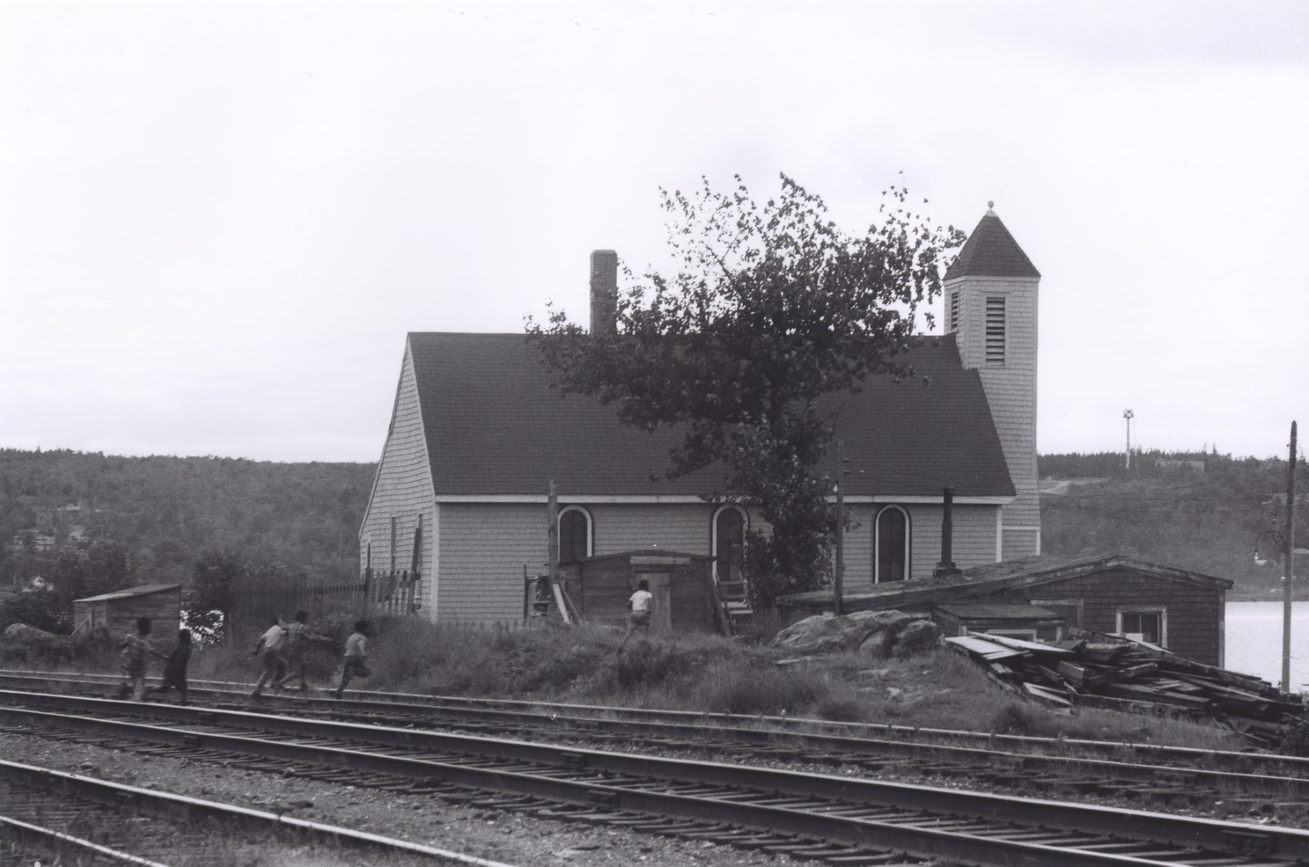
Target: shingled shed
118,611
682,585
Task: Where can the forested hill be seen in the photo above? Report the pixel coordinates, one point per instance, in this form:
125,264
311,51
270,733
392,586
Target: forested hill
153,517
1205,512
139,520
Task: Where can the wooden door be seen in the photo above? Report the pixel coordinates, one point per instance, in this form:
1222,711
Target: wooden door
661,587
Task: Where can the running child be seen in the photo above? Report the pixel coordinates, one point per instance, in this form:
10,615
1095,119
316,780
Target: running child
298,637
354,662
270,645
175,666
641,608
135,646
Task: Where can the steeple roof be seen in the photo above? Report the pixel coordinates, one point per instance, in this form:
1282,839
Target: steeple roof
991,252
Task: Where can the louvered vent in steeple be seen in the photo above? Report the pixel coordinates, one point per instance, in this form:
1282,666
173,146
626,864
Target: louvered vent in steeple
995,325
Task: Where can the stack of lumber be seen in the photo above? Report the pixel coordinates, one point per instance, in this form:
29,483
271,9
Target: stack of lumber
1098,670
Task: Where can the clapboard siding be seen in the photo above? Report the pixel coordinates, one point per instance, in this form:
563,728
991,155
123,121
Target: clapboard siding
483,547
402,489
974,539
1010,391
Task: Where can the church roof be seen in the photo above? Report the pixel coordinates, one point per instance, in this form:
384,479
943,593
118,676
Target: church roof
991,252
495,427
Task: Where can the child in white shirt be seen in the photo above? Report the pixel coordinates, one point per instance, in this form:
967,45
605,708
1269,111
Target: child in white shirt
641,608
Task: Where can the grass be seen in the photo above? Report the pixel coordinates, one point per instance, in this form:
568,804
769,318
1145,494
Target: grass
702,673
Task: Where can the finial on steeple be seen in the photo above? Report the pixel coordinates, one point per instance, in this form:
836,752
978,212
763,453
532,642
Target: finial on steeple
990,208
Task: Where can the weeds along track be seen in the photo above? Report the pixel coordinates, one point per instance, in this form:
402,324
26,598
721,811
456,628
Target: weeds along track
52,814
1143,775
841,820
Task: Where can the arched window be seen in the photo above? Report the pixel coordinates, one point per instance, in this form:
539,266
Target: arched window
574,534
891,541
729,544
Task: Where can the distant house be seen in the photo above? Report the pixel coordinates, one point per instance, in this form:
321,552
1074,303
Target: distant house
1043,597
457,514
118,611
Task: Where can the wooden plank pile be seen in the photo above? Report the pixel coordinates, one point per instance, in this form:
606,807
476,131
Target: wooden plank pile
1108,671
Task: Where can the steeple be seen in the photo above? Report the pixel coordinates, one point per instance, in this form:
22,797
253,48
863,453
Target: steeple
991,299
991,252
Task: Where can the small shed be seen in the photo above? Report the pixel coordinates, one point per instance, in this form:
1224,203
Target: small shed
1174,608
682,585
117,611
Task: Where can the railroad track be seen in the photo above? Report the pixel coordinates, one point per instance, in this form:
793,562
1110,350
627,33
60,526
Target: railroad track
54,814
838,819
1141,774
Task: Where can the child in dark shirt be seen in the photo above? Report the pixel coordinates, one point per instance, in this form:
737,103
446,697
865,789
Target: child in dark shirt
135,647
175,666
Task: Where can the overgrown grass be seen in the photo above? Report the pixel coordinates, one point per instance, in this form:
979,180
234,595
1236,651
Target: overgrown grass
703,673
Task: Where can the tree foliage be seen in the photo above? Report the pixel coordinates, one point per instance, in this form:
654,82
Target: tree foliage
771,306
75,524
1203,511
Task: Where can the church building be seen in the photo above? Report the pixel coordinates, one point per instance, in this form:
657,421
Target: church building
458,513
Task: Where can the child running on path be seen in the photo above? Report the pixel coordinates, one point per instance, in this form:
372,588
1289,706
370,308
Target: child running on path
175,667
354,661
271,643
298,636
135,646
641,606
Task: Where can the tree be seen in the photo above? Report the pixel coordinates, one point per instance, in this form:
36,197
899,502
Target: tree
771,308
208,599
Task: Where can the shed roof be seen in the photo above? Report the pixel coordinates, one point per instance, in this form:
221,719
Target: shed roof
129,592
495,427
994,578
991,251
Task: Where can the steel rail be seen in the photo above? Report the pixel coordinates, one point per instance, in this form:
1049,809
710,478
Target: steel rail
832,793
1251,762
848,750
187,808
15,829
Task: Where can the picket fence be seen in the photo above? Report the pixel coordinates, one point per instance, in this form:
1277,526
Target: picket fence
255,601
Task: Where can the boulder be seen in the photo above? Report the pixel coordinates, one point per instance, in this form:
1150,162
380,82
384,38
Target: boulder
826,633
822,633
921,636
879,644
30,636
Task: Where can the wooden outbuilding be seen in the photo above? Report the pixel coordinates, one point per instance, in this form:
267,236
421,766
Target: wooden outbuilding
1178,609
118,611
682,585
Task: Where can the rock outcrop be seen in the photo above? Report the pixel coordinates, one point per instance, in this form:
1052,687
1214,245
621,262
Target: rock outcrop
875,633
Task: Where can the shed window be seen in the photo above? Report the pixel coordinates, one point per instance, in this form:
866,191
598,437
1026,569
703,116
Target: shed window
729,544
574,534
892,544
995,328
1143,626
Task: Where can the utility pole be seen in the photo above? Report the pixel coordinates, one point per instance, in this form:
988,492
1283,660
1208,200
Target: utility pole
552,533
838,569
1128,415
1288,566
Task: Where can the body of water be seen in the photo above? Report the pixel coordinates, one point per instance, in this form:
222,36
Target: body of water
1254,641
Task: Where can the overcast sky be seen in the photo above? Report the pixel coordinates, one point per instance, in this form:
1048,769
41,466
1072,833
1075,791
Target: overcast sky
218,220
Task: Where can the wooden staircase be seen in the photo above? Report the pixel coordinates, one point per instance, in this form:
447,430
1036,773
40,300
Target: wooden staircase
734,604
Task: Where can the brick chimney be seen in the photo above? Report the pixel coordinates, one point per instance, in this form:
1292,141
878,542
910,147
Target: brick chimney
604,292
